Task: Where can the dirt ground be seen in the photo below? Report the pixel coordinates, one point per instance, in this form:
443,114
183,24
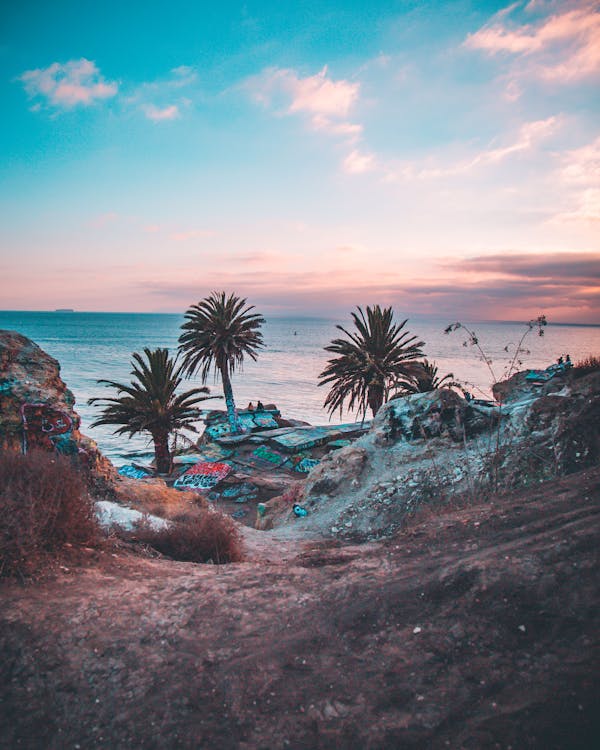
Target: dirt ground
473,628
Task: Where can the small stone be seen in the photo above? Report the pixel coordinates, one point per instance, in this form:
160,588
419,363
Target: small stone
417,629
522,628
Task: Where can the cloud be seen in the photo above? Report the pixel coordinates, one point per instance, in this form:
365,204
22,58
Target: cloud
156,114
580,179
104,220
326,101
183,75
316,94
582,165
66,85
563,268
511,285
561,48
162,100
193,234
477,288
350,130
529,136
358,162
587,208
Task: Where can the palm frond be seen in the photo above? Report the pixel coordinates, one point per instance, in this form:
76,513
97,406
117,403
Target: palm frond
370,359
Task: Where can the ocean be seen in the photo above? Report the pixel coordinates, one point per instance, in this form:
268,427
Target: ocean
91,346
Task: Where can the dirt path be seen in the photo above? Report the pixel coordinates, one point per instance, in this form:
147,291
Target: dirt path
475,628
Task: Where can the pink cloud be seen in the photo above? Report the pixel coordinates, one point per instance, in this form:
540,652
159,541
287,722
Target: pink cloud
579,176
104,220
529,136
156,114
349,130
358,162
586,208
562,47
316,95
193,234
68,84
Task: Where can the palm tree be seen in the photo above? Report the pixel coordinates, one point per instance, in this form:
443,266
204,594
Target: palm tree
150,404
218,333
370,361
424,378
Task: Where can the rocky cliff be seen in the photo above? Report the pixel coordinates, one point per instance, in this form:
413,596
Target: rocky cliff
437,447
37,409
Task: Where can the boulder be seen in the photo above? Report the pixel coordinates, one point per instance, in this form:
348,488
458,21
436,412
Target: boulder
37,409
436,447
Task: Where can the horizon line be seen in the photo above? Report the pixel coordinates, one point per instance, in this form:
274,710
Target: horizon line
283,316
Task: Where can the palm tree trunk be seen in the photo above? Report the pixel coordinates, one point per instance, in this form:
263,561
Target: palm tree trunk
162,454
375,397
231,410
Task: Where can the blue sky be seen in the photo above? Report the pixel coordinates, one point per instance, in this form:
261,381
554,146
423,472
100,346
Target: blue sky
443,157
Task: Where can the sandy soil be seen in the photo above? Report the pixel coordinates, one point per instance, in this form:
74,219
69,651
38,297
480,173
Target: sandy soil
473,628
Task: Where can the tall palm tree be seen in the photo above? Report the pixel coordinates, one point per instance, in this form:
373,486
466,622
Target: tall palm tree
425,378
218,333
371,359
150,404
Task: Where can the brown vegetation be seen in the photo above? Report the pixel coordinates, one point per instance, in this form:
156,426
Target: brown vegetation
43,506
589,364
154,497
195,537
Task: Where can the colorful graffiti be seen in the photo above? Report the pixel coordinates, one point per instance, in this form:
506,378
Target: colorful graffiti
48,428
202,476
306,464
305,438
263,456
133,472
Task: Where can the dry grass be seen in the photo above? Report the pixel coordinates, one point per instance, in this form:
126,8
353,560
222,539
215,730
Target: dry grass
44,505
155,498
200,536
587,365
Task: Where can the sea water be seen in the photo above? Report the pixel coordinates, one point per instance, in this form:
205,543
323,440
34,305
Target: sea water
94,346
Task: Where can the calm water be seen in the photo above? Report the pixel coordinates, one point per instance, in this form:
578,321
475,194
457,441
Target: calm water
90,346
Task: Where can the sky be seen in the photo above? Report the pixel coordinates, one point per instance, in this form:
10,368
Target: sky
440,157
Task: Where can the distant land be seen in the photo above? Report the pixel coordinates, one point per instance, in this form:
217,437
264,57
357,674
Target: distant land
64,309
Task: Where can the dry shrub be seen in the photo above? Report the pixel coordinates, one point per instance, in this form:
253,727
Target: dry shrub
196,537
587,365
44,504
154,497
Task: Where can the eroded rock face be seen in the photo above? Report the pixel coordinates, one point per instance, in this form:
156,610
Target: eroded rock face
436,446
37,408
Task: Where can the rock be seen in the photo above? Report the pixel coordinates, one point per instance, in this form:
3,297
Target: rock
37,409
111,514
432,446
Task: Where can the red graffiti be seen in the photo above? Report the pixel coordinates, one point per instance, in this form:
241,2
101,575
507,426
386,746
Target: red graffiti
41,423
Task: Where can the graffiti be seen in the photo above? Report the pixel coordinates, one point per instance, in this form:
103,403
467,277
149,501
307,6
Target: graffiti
202,476
250,420
240,493
46,427
133,472
7,384
306,464
305,438
266,457
219,430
